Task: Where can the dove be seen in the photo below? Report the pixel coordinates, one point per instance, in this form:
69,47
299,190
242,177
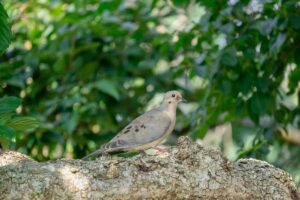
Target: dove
146,131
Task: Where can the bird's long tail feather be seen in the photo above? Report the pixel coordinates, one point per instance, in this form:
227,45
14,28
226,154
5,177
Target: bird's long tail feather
94,154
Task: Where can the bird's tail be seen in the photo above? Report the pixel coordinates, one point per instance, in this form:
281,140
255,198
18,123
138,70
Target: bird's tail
94,154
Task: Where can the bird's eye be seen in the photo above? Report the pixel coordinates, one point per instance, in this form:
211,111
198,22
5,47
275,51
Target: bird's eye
173,95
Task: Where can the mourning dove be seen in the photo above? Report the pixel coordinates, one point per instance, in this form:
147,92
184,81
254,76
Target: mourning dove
146,131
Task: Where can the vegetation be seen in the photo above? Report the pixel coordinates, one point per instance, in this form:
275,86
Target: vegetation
84,69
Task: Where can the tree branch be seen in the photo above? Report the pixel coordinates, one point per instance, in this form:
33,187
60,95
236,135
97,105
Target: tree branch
189,171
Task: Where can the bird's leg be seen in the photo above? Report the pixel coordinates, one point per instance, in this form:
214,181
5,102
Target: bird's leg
158,148
161,149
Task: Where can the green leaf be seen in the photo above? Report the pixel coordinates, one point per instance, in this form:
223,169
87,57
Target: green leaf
71,124
278,42
108,87
151,152
202,131
295,21
5,33
59,65
258,104
108,5
180,2
227,28
8,133
228,57
4,118
23,123
9,104
294,78
262,84
128,154
265,27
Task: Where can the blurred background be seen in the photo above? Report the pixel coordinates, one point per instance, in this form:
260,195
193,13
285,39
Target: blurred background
76,72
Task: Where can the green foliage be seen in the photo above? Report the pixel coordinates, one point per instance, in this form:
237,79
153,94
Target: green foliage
11,124
23,123
107,87
9,104
85,69
5,33
7,133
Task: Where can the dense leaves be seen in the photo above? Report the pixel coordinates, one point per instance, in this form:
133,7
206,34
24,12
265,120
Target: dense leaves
85,69
9,104
12,124
5,33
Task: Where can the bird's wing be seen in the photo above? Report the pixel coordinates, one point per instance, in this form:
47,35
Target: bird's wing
147,128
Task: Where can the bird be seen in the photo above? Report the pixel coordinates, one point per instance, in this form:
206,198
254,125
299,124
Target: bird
146,131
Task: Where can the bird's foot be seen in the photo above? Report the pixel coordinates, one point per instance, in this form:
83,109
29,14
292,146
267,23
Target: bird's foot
158,148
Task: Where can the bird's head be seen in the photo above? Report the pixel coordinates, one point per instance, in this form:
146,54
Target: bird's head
172,97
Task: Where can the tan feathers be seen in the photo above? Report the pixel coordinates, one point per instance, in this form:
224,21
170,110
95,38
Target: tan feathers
147,130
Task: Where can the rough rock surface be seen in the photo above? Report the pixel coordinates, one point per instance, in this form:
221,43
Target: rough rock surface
188,171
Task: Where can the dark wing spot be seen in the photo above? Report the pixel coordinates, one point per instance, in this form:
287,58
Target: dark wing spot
113,144
173,95
129,127
126,131
137,130
169,102
143,126
121,142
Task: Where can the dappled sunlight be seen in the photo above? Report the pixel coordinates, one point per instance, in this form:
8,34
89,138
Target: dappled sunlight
72,179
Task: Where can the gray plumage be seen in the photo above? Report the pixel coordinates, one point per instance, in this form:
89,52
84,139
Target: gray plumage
147,130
